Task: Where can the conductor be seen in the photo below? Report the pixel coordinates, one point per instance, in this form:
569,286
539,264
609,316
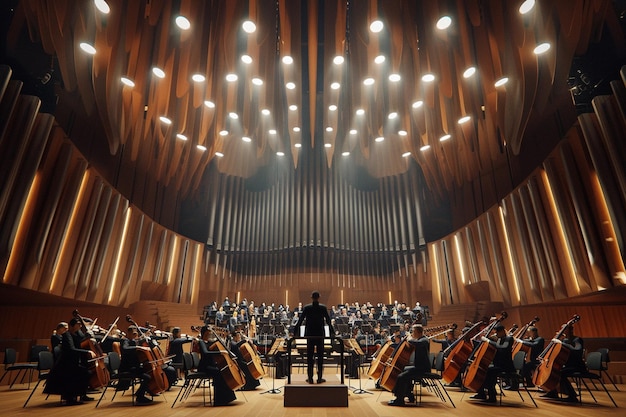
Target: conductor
314,315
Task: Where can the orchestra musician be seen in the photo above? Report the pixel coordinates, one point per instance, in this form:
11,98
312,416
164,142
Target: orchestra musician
57,335
315,315
176,346
70,375
502,362
208,365
130,363
575,363
236,341
536,344
421,364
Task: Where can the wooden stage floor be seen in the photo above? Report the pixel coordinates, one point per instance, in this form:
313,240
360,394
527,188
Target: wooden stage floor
260,404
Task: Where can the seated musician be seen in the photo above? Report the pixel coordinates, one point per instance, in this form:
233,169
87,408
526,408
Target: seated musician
131,363
176,346
419,365
536,343
57,335
236,341
208,365
502,362
70,375
575,363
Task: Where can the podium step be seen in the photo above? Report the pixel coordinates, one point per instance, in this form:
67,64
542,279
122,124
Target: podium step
328,394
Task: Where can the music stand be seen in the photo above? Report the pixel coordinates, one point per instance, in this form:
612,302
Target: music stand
272,354
354,346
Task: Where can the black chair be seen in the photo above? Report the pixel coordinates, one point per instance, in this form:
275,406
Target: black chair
193,380
432,382
594,363
126,379
605,365
515,379
23,368
45,362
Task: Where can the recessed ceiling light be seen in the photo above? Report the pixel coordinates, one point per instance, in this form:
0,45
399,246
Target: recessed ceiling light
345,153
233,115
265,112
223,132
444,138
249,26
541,48
469,72
231,77
392,115
201,147
257,81
402,132
394,78
380,59
425,148
158,72
501,81
88,48
376,26
287,60
353,131
199,78
298,145
246,139
296,129
428,78
165,120
183,23
181,136
246,59
209,104
272,131
329,129
444,22
335,86
417,104
406,154
293,107
290,85
328,145
464,119
338,60
360,112
127,81
527,6
280,153
368,81
219,154
380,139
102,6
332,107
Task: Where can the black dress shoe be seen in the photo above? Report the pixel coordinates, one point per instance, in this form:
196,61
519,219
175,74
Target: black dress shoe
479,396
411,398
571,399
86,398
320,380
142,399
550,394
309,380
491,400
397,401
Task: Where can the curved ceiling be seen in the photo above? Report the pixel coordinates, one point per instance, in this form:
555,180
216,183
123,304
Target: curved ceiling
180,96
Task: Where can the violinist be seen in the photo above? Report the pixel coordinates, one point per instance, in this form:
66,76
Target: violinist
176,346
536,344
70,376
502,362
420,365
130,363
236,341
575,363
208,365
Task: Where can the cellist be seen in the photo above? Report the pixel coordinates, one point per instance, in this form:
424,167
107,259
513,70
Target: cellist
236,341
536,344
208,365
502,362
420,364
575,363
132,364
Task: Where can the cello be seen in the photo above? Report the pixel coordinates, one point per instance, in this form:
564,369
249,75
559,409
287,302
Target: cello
483,355
459,352
100,376
518,344
548,373
228,367
379,359
152,360
396,363
251,358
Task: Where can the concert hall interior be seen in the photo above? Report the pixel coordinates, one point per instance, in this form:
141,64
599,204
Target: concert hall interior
208,165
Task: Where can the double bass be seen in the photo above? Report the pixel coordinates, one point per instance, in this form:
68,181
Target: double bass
152,360
548,373
99,373
379,359
396,363
458,353
483,355
518,344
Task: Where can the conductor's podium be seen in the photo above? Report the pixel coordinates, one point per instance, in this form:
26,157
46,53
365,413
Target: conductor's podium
331,393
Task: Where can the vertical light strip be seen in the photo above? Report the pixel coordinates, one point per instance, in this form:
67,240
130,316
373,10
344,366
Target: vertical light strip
26,214
174,260
118,257
69,228
435,265
286,297
197,270
342,297
509,256
459,258
389,297
559,224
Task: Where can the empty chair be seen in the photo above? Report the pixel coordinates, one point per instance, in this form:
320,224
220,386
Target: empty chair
127,380
605,365
10,365
432,382
44,365
193,380
594,363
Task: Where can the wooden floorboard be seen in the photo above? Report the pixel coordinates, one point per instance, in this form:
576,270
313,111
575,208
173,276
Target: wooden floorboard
259,404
